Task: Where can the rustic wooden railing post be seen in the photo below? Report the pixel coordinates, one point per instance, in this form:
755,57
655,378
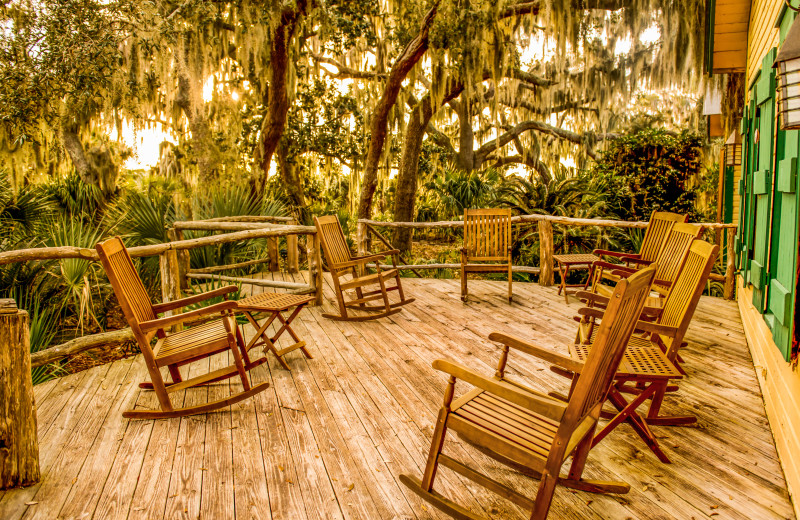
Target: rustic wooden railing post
293,252
545,253
170,279
730,269
19,441
315,266
184,262
362,238
272,251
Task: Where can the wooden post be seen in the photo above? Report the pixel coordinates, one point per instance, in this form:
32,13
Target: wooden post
293,258
19,441
545,253
272,251
315,266
730,270
170,280
362,239
184,263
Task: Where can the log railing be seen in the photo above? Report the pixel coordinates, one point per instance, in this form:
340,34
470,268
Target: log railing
546,250
175,271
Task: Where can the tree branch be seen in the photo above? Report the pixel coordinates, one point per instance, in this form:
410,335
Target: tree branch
346,72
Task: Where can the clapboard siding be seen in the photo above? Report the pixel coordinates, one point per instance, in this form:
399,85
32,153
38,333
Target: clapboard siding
762,35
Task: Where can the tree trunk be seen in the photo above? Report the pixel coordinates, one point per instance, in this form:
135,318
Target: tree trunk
203,150
292,183
97,167
406,190
466,137
379,126
277,97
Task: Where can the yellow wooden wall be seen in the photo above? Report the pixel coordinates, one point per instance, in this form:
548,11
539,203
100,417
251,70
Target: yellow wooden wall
762,34
780,386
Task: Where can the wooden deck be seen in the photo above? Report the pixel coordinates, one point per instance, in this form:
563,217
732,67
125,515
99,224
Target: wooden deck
329,439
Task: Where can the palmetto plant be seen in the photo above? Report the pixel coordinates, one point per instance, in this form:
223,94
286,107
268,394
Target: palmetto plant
565,195
453,190
228,202
74,197
143,216
76,274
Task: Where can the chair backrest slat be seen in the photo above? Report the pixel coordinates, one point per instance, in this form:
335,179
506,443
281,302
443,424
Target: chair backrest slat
612,337
675,249
658,229
125,281
333,241
684,295
487,234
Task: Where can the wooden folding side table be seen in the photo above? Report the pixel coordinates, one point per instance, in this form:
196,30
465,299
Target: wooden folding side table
576,261
274,304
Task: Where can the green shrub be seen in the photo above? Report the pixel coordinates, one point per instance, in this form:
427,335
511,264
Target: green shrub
651,170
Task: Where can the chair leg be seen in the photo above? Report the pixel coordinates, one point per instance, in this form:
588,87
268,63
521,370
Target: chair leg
579,457
234,348
387,305
653,413
340,299
436,448
510,278
400,292
463,284
175,373
360,295
544,496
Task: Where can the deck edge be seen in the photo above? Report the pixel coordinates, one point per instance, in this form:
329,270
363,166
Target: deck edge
780,389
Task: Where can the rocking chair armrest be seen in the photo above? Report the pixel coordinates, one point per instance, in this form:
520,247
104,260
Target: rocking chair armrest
545,354
622,271
605,265
635,259
158,308
615,254
530,400
592,299
389,252
657,328
591,312
168,321
359,260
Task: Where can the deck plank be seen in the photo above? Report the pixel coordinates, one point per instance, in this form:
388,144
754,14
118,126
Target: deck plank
186,480
66,469
329,438
74,404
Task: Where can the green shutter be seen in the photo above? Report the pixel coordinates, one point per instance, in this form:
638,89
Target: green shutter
761,182
786,175
780,302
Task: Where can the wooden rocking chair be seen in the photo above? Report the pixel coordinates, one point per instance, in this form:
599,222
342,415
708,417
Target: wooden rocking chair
487,245
669,260
658,228
527,430
651,359
342,263
173,350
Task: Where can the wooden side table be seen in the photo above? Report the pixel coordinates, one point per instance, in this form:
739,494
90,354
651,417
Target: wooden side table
576,261
274,304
